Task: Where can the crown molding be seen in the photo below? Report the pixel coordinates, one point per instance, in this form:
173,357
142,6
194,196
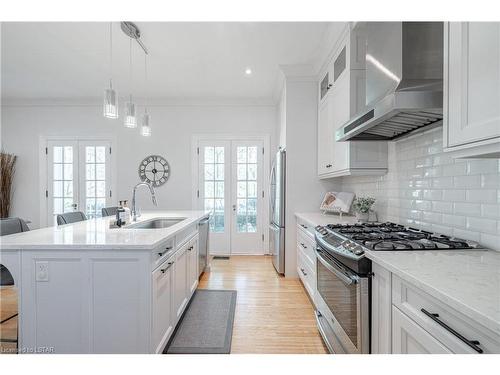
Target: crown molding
156,102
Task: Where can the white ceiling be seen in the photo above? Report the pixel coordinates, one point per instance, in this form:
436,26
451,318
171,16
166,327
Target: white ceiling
187,60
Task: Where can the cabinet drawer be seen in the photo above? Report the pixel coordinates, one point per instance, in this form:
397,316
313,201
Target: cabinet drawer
306,246
306,227
415,303
306,274
162,252
409,338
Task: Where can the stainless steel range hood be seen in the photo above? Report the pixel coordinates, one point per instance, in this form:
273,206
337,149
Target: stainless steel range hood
404,81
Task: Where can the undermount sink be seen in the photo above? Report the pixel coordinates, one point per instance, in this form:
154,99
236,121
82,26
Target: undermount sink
156,223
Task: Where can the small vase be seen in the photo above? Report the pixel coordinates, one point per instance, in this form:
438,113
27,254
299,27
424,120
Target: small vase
362,217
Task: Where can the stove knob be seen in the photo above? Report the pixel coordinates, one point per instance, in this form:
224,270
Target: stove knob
358,250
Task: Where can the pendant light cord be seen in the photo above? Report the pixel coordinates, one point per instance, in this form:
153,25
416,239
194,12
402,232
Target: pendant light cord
111,54
145,83
130,56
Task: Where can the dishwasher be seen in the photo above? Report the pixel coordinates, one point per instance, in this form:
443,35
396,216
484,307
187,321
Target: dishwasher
203,245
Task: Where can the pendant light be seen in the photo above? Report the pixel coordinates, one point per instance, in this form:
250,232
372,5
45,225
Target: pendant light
146,126
110,107
130,112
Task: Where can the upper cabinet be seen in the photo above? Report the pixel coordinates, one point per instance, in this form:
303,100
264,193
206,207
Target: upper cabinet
472,89
342,95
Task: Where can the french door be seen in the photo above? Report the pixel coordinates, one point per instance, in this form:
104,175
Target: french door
231,187
79,177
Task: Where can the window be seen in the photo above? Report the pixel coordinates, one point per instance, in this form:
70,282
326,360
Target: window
78,177
214,186
62,181
246,220
95,180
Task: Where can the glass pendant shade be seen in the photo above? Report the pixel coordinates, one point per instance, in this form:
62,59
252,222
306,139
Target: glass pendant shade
130,117
110,107
145,127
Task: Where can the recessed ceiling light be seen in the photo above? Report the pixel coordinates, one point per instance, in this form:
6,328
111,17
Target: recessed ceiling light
248,71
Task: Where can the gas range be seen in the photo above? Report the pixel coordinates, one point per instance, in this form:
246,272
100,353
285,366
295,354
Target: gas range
348,242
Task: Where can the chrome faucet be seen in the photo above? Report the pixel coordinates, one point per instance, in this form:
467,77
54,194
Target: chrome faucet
153,198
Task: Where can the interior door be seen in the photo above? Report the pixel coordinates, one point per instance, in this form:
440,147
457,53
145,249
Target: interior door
62,173
247,197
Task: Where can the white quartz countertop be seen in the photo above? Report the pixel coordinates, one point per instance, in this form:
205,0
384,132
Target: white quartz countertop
96,234
468,280
318,218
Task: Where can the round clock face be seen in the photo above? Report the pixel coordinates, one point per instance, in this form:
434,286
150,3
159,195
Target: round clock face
154,170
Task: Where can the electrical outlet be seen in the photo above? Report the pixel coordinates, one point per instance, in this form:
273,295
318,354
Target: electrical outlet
42,271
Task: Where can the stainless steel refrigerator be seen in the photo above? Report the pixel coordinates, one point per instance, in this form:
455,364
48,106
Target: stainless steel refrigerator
277,211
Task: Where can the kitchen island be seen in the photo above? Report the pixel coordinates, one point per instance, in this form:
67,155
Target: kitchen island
89,288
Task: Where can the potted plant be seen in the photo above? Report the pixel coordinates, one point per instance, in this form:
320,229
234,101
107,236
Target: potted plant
7,169
362,207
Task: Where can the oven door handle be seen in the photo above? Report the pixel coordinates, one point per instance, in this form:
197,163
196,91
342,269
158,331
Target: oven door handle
347,279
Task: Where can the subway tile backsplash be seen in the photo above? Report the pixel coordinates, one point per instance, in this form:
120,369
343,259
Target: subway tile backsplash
428,189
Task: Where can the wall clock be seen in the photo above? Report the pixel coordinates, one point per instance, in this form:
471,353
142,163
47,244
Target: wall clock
154,170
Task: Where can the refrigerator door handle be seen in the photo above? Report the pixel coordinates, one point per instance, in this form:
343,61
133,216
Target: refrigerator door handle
272,194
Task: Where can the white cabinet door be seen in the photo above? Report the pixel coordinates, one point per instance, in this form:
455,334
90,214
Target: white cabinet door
409,338
163,322
472,83
193,265
381,310
180,281
325,137
340,98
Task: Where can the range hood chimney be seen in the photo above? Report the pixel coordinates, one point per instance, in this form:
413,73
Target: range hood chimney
404,81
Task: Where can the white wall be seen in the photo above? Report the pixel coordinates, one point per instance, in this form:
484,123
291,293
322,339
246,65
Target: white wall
428,189
304,191
172,126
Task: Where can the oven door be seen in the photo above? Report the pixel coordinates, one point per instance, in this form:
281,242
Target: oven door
343,303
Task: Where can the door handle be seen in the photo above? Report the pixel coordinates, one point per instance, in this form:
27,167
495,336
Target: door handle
167,249
234,207
74,206
169,264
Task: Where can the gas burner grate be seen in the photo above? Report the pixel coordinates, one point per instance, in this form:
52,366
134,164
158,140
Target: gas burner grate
391,236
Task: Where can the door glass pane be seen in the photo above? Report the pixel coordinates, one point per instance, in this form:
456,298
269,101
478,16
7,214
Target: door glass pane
95,180
62,180
246,189
213,186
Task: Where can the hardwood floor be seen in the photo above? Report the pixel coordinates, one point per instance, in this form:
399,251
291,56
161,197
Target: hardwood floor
273,314
8,329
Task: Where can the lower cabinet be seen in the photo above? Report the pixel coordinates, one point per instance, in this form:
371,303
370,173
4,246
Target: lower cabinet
306,259
409,338
163,317
405,319
180,296
193,265
381,339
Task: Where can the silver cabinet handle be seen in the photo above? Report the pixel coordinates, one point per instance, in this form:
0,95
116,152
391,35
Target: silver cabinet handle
169,264
167,249
347,279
